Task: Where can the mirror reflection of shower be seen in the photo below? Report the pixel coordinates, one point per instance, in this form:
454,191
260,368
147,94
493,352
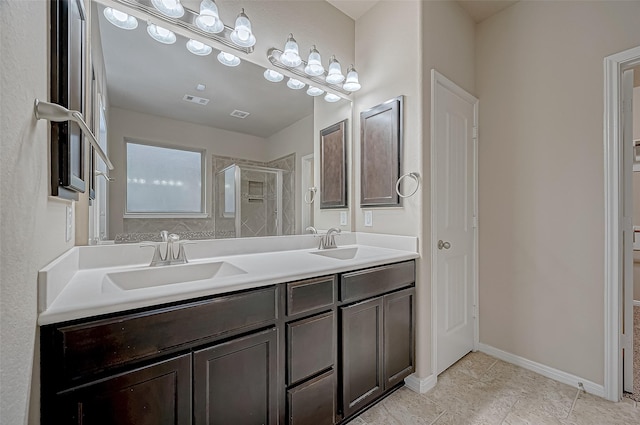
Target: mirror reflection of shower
248,201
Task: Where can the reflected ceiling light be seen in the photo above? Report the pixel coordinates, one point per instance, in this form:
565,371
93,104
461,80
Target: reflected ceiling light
334,75
330,97
228,59
242,35
209,20
292,83
171,8
273,76
198,48
120,19
314,63
352,83
314,91
160,34
290,57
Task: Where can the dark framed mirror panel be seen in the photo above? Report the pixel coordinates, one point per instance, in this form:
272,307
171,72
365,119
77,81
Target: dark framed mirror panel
68,34
333,166
381,135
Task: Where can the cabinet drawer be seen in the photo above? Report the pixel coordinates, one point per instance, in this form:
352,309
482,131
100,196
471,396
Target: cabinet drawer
313,402
378,280
310,346
311,294
95,346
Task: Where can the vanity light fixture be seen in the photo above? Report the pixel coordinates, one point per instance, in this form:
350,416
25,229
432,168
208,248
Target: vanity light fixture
314,91
294,84
228,59
242,34
170,8
273,76
334,76
290,57
352,83
120,19
198,48
314,63
160,34
331,98
209,20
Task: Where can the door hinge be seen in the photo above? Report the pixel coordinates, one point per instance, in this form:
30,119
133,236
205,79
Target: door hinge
475,132
475,222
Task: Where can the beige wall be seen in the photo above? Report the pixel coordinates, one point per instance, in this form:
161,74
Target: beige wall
636,188
539,75
31,224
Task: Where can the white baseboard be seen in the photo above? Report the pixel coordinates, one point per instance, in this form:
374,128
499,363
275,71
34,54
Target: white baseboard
420,385
549,372
636,303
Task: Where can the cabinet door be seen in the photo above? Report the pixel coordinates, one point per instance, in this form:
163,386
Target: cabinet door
362,379
399,336
151,395
236,382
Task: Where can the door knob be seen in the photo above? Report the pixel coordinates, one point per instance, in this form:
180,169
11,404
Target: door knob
442,244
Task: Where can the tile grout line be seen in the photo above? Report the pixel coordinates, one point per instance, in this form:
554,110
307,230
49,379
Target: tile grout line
439,416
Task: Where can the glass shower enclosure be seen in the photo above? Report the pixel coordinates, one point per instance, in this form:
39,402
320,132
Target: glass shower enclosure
248,201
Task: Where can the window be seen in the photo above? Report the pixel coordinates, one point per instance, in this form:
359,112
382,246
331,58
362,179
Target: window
161,180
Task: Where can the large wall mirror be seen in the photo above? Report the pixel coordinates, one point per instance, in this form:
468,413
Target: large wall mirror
200,148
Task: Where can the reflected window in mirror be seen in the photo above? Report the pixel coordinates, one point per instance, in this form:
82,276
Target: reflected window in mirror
164,181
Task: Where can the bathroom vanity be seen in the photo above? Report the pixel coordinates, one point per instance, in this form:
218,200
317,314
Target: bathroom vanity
315,350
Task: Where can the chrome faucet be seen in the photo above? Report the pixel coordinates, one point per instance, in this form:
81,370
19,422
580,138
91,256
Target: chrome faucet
328,241
170,257
311,230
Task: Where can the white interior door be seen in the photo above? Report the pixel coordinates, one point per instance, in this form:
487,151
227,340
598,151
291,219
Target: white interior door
454,224
308,192
627,235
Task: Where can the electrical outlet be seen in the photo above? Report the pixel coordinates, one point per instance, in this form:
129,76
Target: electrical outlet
343,218
368,218
69,226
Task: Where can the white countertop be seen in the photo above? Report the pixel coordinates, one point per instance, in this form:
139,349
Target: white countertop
77,284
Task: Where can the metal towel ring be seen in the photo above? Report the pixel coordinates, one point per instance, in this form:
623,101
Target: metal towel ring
414,176
309,200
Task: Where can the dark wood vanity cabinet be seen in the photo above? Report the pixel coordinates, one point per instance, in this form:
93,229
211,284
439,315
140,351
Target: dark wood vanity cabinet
311,352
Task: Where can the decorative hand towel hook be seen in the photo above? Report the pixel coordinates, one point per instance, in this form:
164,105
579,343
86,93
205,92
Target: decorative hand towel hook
52,112
309,199
414,176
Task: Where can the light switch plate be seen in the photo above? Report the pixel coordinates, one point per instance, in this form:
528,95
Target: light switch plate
69,226
343,218
368,218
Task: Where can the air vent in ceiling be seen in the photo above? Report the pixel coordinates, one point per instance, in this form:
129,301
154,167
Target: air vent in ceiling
195,99
240,114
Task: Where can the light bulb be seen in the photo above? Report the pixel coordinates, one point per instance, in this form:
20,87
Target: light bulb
330,97
290,57
120,19
295,84
160,34
228,59
198,48
352,83
171,8
209,20
334,76
242,35
314,63
314,91
273,76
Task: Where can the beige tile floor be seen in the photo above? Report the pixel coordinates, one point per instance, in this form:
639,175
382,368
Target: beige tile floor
483,390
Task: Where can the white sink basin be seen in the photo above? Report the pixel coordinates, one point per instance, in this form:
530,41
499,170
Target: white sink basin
169,275
341,253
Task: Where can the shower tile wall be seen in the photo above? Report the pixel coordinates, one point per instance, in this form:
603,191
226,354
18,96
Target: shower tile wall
224,228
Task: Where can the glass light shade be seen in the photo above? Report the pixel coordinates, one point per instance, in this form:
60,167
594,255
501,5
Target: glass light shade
295,84
120,19
209,20
228,59
242,35
273,76
160,34
314,91
314,63
290,57
330,97
171,8
334,76
352,83
198,48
